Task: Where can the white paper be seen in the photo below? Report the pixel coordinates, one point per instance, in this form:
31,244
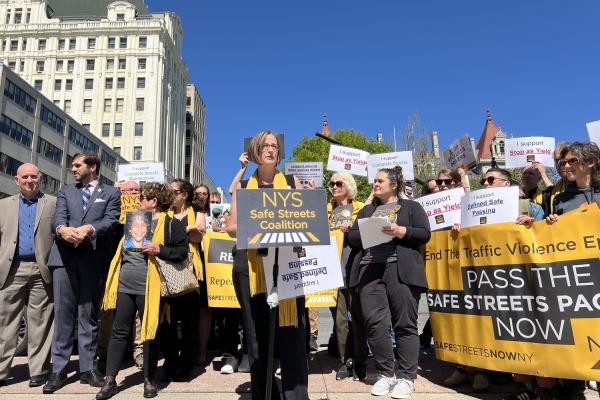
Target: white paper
141,172
593,129
490,206
319,269
347,159
306,172
460,153
521,152
442,208
391,160
370,231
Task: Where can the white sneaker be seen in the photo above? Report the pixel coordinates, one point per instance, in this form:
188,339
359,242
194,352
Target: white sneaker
227,369
593,385
383,385
403,389
457,378
481,383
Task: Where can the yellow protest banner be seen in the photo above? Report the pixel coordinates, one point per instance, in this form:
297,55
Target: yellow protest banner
516,299
129,202
219,267
327,298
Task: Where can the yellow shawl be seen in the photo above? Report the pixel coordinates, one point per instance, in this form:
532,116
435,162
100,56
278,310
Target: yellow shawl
191,220
288,314
152,301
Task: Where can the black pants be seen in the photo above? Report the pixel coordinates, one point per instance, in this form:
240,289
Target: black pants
123,322
350,336
381,295
227,322
291,340
180,356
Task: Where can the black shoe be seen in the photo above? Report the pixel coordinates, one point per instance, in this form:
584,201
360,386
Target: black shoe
55,382
2,382
109,389
312,344
182,376
101,365
359,372
150,389
92,378
344,372
244,364
38,380
522,394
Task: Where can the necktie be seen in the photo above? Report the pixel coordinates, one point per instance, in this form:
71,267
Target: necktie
85,196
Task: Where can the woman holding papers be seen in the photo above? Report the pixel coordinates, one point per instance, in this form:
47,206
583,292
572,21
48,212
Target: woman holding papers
250,288
388,280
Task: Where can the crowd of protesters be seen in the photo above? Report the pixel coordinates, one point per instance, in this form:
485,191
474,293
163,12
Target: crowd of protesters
89,278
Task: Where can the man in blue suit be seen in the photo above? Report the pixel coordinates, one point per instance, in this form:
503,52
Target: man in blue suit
86,213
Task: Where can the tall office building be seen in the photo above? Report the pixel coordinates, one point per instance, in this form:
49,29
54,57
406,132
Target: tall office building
194,139
112,65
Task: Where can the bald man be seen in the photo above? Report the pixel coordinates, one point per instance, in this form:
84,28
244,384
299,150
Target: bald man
25,281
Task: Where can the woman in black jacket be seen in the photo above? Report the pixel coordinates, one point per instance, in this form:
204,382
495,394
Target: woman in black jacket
388,280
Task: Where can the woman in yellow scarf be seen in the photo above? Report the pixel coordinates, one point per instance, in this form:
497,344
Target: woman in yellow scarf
265,150
133,285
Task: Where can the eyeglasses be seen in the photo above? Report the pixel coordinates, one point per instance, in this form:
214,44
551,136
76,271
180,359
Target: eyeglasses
571,161
201,193
177,191
266,147
491,179
380,181
447,182
339,184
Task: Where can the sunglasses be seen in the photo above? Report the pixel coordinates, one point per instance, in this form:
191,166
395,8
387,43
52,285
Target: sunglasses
571,161
339,184
490,180
447,182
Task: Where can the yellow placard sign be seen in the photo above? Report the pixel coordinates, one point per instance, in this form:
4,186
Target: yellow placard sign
129,202
516,299
219,267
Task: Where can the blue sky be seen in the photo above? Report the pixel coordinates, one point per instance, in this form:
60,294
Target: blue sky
280,65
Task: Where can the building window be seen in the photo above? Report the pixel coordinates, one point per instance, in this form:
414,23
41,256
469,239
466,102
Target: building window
82,141
18,15
89,84
139,104
42,44
22,66
19,96
188,150
7,21
38,84
52,120
56,102
141,63
188,133
67,106
137,153
108,84
143,42
91,43
141,83
28,16
12,65
90,65
60,64
139,129
39,66
109,161
70,65
9,165
87,128
107,105
111,42
123,43
57,84
15,131
72,44
122,63
49,184
120,104
24,45
69,84
118,129
188,101
61,44
120,17
120,83
117,150
49,150
105,129
14,45
110,64
87,105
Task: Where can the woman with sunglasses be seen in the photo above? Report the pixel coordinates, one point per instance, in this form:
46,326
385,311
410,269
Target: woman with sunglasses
342,210
388,280
250,288
133,284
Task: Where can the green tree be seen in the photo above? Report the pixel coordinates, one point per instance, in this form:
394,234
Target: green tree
312,148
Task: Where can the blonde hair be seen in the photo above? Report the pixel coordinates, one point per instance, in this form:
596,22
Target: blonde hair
348,181
256,143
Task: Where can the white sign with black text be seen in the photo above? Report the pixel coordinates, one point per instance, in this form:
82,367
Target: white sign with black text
403,159
347,159
141,172
442,208
593,129
460,153
521,152
306,172
490,206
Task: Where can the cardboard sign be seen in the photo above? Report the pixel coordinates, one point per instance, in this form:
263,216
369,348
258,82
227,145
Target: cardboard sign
281,217
403,159
279,135
347,159
129,202
460,154
218,260
306,172
312,270
442,208
593,129
141,172
490,206
522,300
521,152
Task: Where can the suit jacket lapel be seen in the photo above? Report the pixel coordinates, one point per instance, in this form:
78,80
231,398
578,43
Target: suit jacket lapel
13,214
40,209
93,197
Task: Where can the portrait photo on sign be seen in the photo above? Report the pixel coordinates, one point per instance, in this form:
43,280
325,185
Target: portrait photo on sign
138,230
219,213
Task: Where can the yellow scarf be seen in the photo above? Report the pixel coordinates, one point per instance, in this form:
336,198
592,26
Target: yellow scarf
538,197
558,188
152,301
191,219
288,314
356,207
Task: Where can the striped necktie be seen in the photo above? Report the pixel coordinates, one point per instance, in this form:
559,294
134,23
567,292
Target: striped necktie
85,196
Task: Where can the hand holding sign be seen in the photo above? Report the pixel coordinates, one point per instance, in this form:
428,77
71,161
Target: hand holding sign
522,152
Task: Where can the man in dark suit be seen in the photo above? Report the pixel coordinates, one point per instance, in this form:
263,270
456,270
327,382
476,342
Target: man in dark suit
25,242
86,214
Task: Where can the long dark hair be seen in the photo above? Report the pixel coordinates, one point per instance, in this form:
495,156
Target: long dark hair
395,176
186,188
200,205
